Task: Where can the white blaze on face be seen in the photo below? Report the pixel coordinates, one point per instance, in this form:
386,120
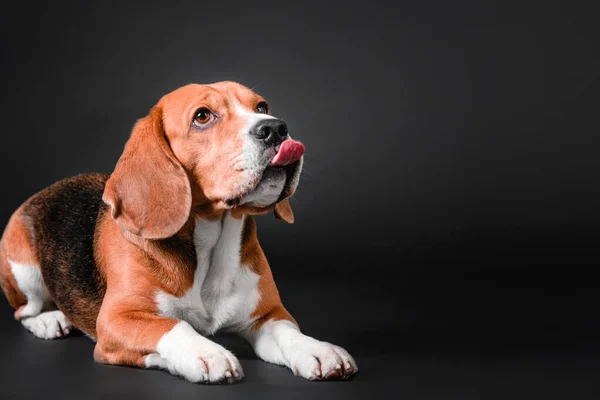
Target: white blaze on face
251,148
257,157
249,115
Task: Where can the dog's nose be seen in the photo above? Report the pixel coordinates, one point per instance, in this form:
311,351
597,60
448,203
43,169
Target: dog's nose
271,131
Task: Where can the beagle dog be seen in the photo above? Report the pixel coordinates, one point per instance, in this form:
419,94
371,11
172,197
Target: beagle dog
161,254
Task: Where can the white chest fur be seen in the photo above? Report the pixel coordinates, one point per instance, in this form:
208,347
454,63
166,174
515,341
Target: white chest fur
224,293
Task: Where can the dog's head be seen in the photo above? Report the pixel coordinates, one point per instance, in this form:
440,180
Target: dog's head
207,148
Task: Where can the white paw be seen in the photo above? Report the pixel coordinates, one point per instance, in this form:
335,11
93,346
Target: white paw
207,364
184,352
316,360
48,325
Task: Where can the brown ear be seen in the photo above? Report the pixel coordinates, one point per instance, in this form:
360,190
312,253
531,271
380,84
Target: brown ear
149,191
283,211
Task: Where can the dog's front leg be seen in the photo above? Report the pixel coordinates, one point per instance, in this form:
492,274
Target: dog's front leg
281,342
275,336
145,340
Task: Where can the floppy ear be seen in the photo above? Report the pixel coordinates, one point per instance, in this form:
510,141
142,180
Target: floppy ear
283,211
149,191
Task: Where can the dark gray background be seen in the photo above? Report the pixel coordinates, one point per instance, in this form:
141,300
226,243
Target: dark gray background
447,219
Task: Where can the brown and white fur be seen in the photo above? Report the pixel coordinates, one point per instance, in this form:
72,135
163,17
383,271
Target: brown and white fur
152,259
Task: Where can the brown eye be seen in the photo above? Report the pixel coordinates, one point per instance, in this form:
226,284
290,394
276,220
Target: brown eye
203,117
262,108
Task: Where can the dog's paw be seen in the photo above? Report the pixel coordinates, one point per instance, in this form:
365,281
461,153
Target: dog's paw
208,365
48,325
215,365
195,358
321,361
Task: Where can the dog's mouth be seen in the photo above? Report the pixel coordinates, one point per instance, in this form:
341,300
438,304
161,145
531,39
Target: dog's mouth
277,180
291,171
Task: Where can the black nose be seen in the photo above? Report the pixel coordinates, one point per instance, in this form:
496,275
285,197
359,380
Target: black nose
271,131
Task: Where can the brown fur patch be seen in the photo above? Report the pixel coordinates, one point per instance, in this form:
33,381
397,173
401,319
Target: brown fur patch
149,192
283,211
128,327
269,306
16,245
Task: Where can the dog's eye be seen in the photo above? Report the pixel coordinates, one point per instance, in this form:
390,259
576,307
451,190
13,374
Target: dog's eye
262,108
203,117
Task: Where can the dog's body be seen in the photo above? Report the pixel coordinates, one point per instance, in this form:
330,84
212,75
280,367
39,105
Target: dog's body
150,259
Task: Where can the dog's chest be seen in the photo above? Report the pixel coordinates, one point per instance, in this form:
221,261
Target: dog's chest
224,293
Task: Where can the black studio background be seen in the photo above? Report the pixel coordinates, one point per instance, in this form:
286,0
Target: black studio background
447,219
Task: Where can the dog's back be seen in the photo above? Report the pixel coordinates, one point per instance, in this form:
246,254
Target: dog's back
62,272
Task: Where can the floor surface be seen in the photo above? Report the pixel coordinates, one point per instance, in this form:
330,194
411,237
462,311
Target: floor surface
429,331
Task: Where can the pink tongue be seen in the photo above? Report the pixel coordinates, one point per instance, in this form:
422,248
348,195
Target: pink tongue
289,152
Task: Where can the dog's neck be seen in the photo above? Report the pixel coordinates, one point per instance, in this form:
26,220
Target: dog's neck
218,245
212,240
